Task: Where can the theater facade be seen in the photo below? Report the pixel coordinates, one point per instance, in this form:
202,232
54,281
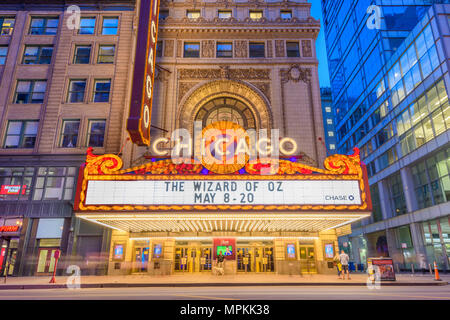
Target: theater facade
134,208
168,218
238,66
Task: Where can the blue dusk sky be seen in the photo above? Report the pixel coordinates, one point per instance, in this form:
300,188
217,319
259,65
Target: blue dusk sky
324,77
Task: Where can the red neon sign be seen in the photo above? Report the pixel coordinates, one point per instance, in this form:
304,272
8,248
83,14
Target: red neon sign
9,228
139,118
12,189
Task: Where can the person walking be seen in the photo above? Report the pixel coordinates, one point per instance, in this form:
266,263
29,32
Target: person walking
344,258
337,263
220,263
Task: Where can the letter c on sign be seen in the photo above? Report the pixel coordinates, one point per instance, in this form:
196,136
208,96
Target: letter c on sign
148,86
146,116
153,32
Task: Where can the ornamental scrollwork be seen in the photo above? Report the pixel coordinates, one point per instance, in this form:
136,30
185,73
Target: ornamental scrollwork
296,74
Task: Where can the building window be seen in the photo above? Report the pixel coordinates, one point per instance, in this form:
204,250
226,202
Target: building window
330,133
329,121
76,91
87,25
41,26
102,89
257,49
3,54
110,26
6,26
396,194
193,14
21,134
224,50
255,14
16,177
432,180
37,55
159,49
226,109
332,147
292,49
191,50
286,14
30,91
69,133
96,133
328,109
106,54
163,14
82,55
55,183
224,14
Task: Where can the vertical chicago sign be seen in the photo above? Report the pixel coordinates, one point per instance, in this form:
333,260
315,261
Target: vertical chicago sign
139,118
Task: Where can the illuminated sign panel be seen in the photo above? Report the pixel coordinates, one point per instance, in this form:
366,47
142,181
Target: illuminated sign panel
139,118
224,192
12,189
162,185
9,228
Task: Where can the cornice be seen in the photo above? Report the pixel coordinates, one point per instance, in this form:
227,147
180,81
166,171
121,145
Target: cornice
231,3
185,24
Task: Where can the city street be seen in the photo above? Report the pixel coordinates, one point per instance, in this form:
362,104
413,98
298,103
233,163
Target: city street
237,293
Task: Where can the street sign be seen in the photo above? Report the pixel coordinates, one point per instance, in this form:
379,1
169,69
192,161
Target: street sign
139,118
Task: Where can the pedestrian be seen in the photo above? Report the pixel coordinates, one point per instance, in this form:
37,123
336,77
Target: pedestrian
343,259
422,263
219,264
337,263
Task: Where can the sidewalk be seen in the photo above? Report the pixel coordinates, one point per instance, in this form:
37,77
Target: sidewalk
198,280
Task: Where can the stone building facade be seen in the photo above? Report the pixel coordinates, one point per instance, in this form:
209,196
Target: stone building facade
63,90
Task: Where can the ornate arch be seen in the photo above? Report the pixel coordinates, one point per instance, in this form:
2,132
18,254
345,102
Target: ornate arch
205,91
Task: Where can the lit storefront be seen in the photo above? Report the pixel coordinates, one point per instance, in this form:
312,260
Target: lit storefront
169,218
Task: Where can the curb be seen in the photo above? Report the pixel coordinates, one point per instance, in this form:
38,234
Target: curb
218,284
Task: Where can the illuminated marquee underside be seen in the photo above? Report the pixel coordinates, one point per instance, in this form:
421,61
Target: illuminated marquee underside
241,223
277,215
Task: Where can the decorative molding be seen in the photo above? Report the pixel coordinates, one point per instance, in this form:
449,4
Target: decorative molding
208,48
169,48
306,49
264,87
269,48
308,24
179,48
295,73
246,92
224,72
279,48
240,49
183,88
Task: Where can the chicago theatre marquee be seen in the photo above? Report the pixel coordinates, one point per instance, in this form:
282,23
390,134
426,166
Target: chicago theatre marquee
246,71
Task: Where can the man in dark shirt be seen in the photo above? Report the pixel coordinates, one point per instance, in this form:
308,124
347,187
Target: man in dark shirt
220,260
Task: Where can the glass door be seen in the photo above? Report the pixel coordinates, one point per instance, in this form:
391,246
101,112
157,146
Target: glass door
181,258
46,261
205,259
141,259
244,259
307,259
268,261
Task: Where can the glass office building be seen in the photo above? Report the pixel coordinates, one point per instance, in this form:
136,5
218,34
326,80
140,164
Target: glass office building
328,120
390,85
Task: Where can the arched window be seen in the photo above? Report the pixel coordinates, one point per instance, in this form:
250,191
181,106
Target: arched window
226,109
